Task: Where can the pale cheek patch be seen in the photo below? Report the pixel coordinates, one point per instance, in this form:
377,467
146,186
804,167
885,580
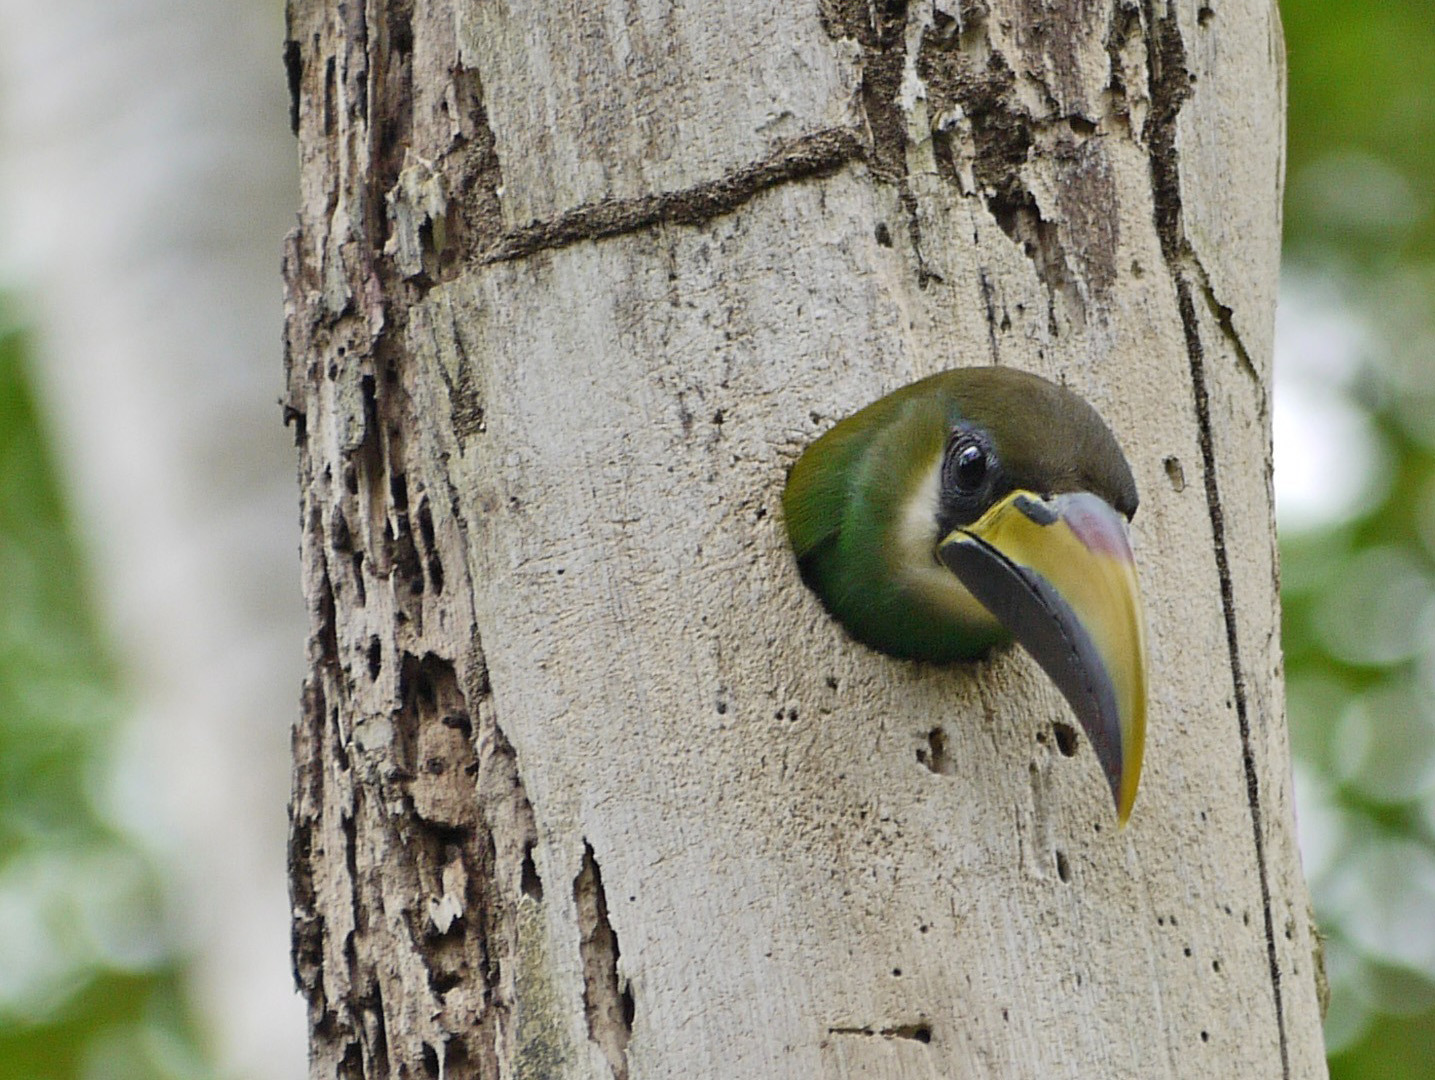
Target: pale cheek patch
914,554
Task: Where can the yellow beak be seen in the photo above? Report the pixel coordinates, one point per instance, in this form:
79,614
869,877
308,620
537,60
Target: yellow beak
1058,573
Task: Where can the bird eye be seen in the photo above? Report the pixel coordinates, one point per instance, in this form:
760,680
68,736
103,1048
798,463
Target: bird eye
971,468
967,465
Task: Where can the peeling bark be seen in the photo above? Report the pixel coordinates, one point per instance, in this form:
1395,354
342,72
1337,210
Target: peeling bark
608,1005
586,784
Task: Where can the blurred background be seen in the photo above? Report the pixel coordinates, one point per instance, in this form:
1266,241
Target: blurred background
151,626
1355,498
151,632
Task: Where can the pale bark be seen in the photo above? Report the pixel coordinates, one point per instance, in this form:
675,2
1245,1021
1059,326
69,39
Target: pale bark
587,783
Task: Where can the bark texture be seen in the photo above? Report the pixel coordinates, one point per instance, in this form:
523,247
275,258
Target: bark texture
587,785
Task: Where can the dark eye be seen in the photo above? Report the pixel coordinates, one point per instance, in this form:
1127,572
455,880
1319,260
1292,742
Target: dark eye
966,464
971,468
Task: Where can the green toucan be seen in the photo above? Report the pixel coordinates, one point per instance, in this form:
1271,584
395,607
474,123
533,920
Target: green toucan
977,506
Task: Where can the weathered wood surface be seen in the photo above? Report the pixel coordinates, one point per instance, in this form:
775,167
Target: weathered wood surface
587,784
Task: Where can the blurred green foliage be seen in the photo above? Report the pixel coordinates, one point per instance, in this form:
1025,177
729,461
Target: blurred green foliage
89,983
1359,588
1360,76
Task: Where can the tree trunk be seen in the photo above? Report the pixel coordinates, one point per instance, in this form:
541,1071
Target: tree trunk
587,784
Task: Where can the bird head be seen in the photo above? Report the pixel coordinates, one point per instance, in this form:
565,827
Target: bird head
977,506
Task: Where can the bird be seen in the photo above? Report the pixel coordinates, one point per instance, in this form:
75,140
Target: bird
972,508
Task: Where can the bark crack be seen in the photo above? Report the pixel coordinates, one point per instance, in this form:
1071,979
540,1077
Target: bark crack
880,30
1170,86
985,138
819,153
1225,319
1196,354
607,1003
921,1032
